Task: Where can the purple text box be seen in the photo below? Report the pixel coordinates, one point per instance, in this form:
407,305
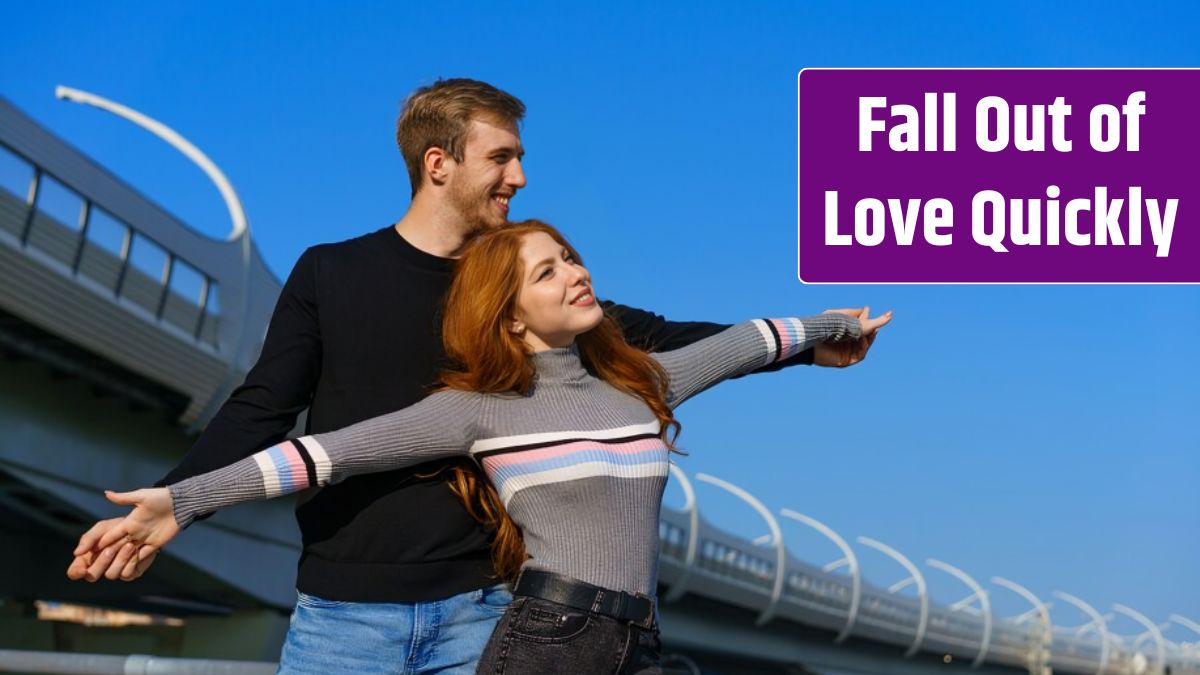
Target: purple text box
1164,249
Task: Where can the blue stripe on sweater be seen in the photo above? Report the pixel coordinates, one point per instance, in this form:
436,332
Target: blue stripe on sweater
282,468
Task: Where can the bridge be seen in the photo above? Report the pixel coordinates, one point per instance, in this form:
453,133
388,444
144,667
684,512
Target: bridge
122,330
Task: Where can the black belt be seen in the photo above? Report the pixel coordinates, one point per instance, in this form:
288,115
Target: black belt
636,609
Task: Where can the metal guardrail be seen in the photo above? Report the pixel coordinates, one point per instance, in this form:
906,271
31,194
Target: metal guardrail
14,661
17,661
75,248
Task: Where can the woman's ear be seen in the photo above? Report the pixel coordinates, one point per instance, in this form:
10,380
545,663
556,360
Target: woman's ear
516,325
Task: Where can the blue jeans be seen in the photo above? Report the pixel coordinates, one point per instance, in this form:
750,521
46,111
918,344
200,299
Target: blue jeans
442,636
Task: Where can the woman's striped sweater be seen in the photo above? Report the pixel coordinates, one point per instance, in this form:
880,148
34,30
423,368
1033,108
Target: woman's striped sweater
578,464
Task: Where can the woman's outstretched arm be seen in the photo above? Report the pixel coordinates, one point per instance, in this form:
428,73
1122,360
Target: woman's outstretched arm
441,425
751,345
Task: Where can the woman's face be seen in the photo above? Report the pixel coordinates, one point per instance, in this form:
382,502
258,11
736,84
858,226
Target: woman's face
556,302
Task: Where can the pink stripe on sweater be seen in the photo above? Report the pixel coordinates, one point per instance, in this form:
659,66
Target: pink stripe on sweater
785,337
549,452
295,467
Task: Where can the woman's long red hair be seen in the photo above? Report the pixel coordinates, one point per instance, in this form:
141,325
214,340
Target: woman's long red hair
488,357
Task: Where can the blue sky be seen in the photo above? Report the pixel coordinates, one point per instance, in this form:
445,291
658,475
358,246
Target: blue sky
1042,433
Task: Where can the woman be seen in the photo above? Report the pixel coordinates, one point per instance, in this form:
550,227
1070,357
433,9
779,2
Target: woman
570,425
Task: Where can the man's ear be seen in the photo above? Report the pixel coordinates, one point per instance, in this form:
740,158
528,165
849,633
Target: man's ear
437,165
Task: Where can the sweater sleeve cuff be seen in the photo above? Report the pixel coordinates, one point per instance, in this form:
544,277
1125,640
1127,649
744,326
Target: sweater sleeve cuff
184,510
789,337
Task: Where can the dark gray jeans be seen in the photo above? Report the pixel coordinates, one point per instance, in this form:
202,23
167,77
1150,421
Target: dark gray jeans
537,636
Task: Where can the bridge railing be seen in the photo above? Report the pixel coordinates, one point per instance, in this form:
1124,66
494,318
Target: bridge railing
86,257
101,249
697,557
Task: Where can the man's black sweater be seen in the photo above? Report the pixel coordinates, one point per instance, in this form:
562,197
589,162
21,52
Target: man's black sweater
356,333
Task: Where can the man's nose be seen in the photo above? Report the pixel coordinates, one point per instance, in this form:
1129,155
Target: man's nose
516,174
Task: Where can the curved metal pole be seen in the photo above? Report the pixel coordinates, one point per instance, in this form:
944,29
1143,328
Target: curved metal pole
1194,652
236,213
1046,635
240,232
1169,648
1185,622
1097,620
1151,628
693,510
1043,610
850,560
985,605
776,535
915,577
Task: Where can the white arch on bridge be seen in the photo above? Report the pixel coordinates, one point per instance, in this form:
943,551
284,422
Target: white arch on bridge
1152,631
776,540
237,213
1192,626
977,593
240,231
916,577
1098,623
692,509
848,560
1046,635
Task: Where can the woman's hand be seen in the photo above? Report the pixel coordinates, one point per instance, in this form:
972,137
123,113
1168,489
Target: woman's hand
119,561
843,354
139,535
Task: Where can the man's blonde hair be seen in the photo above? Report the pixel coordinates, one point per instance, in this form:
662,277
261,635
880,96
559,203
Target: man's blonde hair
439,116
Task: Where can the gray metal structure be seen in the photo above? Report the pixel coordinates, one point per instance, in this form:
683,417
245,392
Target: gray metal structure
56,276
138,335
77,294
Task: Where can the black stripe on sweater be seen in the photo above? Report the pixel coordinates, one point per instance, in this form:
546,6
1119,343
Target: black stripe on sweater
562,441
778,340
309,466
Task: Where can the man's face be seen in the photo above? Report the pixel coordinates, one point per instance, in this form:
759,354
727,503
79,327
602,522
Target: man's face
488,176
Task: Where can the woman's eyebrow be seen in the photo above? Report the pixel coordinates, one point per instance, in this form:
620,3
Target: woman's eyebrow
533,269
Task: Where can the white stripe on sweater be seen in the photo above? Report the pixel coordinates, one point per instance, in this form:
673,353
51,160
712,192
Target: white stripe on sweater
269,474
768,337
320,458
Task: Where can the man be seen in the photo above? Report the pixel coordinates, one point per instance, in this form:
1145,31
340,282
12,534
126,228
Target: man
395,576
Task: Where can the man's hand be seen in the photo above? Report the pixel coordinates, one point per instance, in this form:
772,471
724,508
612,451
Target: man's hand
843,354
124,548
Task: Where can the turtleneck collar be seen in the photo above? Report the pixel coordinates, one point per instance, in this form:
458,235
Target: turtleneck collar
561,363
